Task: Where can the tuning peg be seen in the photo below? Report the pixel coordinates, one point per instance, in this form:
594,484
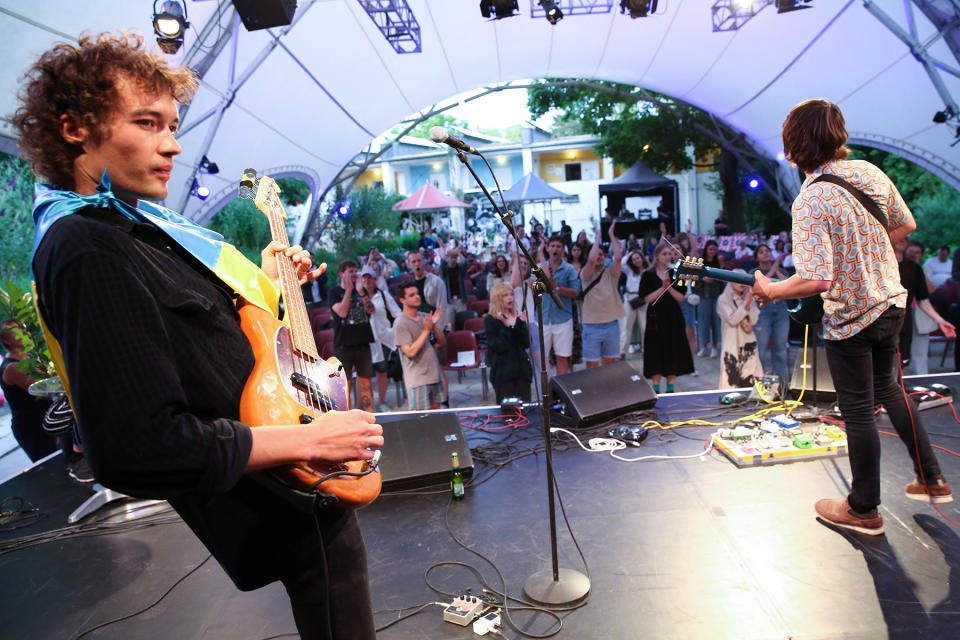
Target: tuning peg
248,183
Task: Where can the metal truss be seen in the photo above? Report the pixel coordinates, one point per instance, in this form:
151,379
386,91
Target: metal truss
730,15
946,23
396,22
572,7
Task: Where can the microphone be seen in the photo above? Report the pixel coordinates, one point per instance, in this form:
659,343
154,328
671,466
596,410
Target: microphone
440,136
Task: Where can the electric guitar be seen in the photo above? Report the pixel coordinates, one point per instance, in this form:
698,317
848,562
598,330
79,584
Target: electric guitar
290,383
808,311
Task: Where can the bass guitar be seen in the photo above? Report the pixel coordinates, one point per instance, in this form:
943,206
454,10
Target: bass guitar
808,311
290,382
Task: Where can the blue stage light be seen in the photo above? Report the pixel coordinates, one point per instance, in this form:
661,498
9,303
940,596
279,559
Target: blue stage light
753,183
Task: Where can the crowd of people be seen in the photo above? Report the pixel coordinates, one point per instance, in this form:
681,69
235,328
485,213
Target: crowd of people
617,299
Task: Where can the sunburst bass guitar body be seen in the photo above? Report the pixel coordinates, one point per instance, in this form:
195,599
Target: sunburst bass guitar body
290,384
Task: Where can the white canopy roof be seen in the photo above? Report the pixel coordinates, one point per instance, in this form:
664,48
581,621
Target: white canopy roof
304,99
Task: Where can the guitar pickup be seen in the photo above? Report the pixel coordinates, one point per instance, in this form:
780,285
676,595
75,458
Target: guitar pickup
318,399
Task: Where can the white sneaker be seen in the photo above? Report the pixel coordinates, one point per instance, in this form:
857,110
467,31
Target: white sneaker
695,373
702,353
714,353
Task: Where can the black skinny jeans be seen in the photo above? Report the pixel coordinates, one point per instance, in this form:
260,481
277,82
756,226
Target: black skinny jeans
865,367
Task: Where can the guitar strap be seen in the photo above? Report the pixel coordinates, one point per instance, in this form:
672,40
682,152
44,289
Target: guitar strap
864,199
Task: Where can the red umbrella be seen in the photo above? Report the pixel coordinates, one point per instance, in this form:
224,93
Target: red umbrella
428,198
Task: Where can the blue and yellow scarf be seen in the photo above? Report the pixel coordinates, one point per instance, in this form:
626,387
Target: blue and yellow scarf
209,247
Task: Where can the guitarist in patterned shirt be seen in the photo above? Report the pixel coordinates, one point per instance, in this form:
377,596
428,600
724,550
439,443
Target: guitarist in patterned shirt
844,252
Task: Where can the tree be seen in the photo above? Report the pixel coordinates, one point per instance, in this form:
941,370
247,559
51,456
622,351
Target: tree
932,201
634,124
16,220
372,220
244,226
422,129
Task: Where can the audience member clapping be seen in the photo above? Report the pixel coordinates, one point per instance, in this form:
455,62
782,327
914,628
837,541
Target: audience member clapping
666,351
386,310
740,360
507,341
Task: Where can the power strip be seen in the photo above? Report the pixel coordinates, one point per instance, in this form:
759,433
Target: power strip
463,610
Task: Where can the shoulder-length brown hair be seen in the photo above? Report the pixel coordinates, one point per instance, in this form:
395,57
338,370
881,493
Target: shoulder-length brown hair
79,81
814,133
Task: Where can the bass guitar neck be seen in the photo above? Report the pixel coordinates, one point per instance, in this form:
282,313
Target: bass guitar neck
808,311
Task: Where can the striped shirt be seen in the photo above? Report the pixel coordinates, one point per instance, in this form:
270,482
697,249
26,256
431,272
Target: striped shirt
836,239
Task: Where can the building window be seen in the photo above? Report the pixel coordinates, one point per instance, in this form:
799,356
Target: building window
571,171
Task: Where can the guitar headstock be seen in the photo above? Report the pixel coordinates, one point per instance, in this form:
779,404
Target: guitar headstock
687,270
263,191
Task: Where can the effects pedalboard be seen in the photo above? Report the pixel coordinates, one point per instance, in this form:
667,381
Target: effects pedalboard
463,610
779,439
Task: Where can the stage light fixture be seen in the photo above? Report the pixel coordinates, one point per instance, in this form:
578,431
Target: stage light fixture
208,167
784,6
199,190
499,9
344,207
638,8
942,116
169,24
753,184
554,15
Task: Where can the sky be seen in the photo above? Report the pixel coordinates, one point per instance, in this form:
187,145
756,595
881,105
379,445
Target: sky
498,110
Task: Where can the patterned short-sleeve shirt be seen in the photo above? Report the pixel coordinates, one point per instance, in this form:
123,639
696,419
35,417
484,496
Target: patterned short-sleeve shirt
836,239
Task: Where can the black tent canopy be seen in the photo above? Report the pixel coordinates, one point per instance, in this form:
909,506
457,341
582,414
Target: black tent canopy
641,180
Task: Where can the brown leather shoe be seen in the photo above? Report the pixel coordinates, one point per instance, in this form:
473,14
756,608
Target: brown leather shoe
839,514
939,491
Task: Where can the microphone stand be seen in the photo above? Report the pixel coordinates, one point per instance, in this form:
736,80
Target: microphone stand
556,586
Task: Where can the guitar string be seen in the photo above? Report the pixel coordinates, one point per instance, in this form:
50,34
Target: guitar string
287,273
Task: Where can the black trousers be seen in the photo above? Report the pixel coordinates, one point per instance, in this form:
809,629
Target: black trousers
337,577
864,369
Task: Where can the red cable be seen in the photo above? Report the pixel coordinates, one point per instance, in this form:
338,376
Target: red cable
916,444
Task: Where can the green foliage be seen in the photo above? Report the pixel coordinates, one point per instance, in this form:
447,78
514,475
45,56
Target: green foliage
372,221
422,130
629,128
932,201
17,304
242,224
16,220
936,216
293,191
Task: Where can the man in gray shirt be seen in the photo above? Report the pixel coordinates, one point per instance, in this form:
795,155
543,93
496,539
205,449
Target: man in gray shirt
421,368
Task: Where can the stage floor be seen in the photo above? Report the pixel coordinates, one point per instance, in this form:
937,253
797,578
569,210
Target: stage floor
679,548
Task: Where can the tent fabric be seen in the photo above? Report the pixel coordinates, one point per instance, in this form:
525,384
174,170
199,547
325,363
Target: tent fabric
639,177
315,93
531,188
428,198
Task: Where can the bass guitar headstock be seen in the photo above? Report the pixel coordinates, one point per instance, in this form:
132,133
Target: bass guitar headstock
264,192
687,270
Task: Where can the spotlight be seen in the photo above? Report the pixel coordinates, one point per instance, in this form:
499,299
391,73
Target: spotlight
499,9
199,190
208,167
554,15
169,24
753,184
638,8
942,116
783,6
344,207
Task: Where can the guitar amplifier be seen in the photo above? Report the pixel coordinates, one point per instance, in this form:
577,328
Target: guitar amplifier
417,449
590,396
824,382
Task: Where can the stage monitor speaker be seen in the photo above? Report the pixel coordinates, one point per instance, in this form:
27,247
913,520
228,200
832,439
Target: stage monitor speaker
417,449
589,396
264,14
824,382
